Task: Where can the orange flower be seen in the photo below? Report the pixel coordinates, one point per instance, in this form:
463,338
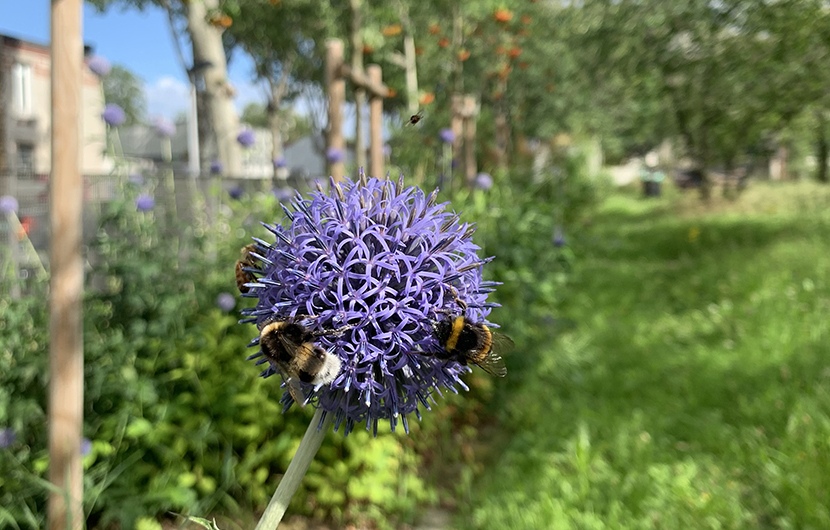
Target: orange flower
523,33
503,15
523,65
515,52
463,55
500,50
391,31
391,92
434,29
427,98
550,87
526,19
368,49
419,50
443,42
498,95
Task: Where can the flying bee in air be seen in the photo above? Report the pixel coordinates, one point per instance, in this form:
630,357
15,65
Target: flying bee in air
244,266
465,342
291,347
415,118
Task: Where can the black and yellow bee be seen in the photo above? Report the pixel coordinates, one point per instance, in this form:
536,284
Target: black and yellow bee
247,261
291,347
415,118
465,342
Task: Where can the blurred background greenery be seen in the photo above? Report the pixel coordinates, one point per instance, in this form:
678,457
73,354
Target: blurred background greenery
671,368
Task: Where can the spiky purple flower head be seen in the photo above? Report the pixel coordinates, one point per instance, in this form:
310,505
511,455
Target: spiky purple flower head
216,167
246,138
8,204
136,178
226,302
7,438
558,237
335,155
235,192
164,127
144,202
113,115
447,136
86,446
280,162
385,260
387,150
483,181
99,65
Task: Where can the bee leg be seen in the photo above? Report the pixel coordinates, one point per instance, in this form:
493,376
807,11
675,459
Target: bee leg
461,303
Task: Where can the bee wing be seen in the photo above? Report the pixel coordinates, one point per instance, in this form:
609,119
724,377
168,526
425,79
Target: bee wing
296,391
493,364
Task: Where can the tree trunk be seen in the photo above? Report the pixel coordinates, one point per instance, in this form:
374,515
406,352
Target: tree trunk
823,148
359,93
410,63
218,95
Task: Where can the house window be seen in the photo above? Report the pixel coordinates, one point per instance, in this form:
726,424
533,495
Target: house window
25,160
22,89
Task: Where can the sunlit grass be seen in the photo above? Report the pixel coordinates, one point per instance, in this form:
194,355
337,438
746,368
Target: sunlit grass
695,391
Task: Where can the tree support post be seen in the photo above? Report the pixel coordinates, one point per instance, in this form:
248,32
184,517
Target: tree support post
376,124
336,86
66,357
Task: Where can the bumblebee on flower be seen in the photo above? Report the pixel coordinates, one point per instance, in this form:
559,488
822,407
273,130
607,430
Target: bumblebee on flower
368,273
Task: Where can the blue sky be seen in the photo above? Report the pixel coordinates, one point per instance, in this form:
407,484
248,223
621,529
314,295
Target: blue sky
141,41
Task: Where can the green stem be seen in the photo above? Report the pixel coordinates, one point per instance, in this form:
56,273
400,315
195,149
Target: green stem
295,472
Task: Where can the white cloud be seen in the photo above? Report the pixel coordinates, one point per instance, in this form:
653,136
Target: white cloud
167,96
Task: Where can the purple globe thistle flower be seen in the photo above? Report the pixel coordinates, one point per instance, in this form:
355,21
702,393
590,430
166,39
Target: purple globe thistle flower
246,138
8,204
86,446
226,302
283,194
164,127
235,192
483,181
280,162
99,65
216,167
335,155
447,136
387,261
558,237
144,202
136,178
387,150
113,115
7,438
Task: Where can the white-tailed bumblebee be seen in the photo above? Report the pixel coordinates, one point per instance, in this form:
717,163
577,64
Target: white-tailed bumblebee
247,261
471,342
290,346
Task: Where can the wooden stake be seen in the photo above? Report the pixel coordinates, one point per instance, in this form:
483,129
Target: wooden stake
337,95
470,112
66,361
376,124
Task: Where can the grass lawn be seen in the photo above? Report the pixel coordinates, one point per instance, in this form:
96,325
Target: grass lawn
694,391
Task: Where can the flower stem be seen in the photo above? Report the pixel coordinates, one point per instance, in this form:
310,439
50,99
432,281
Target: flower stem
296,471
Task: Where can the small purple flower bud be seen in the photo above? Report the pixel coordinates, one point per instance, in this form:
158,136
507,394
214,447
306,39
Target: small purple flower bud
283,194
136,179
144,202
216,167
447,136
164,127
384,261
86,446
113,115
280,162
483,181
387,150
235,192
335,155
7,438
99,65
246,138
558,237
226,302
8,204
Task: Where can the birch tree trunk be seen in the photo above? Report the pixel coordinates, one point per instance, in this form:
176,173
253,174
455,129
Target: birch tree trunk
218,95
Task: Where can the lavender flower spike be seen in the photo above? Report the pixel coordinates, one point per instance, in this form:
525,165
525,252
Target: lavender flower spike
385,260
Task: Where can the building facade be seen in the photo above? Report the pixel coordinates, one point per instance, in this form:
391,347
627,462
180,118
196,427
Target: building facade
25,112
